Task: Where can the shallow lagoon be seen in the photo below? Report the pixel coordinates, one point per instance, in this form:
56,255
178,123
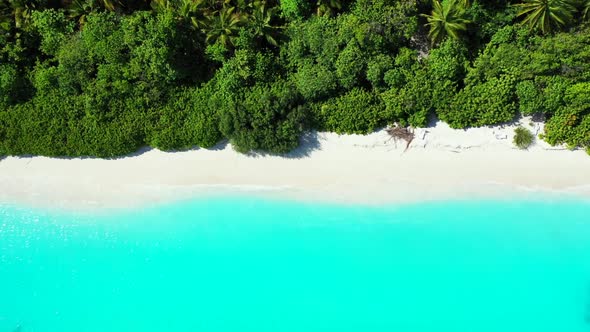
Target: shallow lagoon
243,264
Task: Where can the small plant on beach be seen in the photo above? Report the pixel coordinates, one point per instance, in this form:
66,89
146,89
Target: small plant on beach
523,138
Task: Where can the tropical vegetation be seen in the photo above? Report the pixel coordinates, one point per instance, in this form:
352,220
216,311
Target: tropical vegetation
106,77
523,138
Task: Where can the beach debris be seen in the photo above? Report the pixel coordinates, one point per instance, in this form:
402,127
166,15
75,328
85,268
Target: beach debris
501,136
401,133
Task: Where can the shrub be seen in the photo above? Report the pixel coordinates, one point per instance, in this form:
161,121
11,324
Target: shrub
571,123
448,61
57,125
53,27
315,82
266,117
489,103
357,112
349,65
411,103
530,100
523,138
188,120
376,69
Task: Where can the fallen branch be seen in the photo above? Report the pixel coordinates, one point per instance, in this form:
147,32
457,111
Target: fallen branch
401,133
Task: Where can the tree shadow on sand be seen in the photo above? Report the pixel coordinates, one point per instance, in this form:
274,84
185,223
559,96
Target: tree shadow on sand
308,143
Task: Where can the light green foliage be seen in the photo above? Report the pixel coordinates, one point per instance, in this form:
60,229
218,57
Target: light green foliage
411,96
315,81
188,120
489,103
357,112
543,95
523,138
448,61
244,69
53,27
571,123
564,54
530,99
333,55
295,9
410,103
55,125
505,59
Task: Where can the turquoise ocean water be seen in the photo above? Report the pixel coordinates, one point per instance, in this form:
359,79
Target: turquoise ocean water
243,264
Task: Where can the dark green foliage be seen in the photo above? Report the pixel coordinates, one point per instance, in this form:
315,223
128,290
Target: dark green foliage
104,77
265,117
377,67
489,17
385,23
357,112
523,138
8,84
350,65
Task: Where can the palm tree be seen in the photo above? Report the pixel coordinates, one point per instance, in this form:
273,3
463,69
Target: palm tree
446,19
260,20
224,26
110,5
585,9
79,9
328,7
547,15
195,10
17,12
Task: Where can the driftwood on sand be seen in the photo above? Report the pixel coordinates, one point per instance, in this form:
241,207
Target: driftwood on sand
401,133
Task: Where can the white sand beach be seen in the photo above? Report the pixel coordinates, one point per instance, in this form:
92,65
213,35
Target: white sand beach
440,163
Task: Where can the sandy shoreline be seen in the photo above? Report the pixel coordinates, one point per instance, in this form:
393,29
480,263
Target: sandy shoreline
440,163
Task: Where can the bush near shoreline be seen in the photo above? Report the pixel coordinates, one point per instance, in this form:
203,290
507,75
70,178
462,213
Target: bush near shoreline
106,77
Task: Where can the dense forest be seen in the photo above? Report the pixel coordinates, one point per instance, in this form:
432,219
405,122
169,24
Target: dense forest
106,77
